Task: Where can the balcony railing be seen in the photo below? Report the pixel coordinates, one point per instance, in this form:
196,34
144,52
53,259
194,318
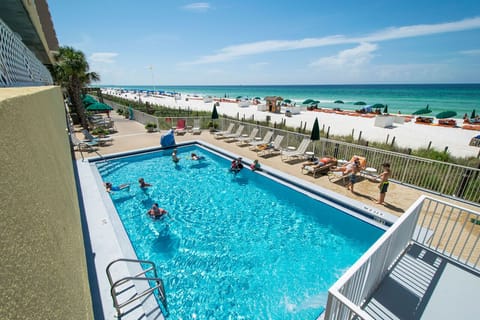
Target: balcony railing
449,230
18,65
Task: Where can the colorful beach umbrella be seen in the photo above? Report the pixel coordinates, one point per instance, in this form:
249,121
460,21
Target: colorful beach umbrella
338,101
446,114
315,136
98,106
360,103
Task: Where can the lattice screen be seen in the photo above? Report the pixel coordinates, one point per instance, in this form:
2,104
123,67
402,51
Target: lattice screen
18,65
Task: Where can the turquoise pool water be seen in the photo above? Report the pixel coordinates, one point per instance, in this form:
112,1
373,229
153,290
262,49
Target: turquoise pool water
234,247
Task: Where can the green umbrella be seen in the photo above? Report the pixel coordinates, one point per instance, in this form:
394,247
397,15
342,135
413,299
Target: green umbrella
473,114
308,101
446,114
98,106
287,101
258,98
214,113
360,103
338,101
422,111
315,136
378,106
385,110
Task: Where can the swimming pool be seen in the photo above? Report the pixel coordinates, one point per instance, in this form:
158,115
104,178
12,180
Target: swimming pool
241,246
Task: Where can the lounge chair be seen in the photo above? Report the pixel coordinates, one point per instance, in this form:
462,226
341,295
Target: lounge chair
100,141
181,128
296,153
245,140
343,172
220,134
196,129
233,136
273,148
265,141
323,166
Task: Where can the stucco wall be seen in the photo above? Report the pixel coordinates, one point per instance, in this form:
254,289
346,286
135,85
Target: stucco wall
43,271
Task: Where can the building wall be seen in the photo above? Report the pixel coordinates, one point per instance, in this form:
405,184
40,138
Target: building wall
43,273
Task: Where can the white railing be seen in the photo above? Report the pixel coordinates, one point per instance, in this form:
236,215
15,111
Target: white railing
19,66
445,228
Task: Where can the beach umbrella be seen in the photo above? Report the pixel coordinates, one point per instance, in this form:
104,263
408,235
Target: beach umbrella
422,111
315,136
338,101
385,110
258,98
360,103
446,114
98,106
287,101
473,114
308,101
378,106
214,113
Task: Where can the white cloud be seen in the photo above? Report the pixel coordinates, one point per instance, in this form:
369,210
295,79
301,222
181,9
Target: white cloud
197,6
103,57
236,51
474,52
354,57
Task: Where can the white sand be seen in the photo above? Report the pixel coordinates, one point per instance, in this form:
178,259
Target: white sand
407,135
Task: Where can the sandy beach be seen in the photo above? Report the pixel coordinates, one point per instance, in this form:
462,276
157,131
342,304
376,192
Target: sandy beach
406,135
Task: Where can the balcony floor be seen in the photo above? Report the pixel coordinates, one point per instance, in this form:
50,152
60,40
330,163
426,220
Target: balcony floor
424,285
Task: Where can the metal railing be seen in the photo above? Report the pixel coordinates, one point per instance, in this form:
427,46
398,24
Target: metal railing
118,287
446,179
447,229
19,66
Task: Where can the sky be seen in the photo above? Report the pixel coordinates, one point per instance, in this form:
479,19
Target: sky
277,42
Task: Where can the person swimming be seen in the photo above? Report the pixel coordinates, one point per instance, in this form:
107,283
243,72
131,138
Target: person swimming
143,184
109,187
156,212
236,165
175,158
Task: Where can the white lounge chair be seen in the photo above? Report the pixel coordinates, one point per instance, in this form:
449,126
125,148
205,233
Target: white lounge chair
274,147
245,140
234,136
288,154
196,129
220,134
266,140
100,141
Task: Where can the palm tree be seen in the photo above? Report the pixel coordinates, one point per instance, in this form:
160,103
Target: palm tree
71,71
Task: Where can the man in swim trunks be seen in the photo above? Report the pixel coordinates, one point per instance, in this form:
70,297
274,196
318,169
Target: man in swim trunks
143,184
156,212
383,185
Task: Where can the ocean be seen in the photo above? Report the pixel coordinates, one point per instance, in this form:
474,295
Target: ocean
404,98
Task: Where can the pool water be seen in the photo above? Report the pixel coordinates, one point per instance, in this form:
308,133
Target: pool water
234,246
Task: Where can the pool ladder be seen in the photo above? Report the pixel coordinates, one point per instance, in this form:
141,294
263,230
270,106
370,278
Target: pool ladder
126,286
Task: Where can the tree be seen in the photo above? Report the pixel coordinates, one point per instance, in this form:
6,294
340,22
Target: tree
71,71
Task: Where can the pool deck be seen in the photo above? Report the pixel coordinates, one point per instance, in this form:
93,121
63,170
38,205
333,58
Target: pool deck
132,135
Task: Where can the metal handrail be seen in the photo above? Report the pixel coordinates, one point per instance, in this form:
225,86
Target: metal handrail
141,276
